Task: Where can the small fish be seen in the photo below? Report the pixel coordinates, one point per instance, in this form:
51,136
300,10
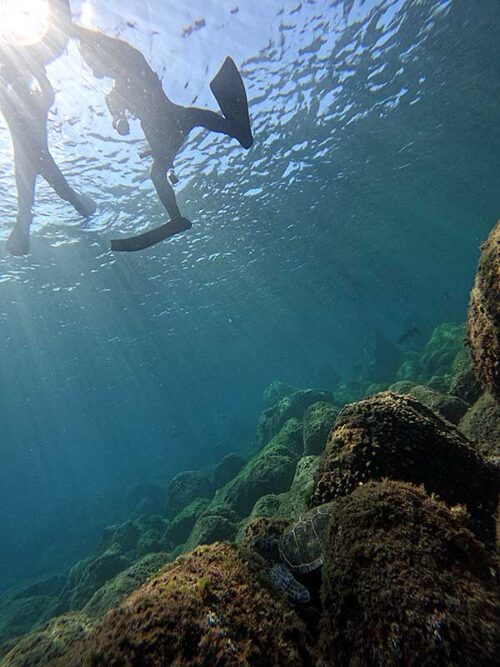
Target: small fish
409,334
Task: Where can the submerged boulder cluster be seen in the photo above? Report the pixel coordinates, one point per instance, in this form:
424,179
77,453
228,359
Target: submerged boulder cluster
360,532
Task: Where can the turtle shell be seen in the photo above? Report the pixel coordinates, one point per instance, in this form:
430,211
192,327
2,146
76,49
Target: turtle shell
302,544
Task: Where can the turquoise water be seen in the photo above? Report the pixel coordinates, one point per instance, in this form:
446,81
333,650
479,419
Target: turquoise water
360,208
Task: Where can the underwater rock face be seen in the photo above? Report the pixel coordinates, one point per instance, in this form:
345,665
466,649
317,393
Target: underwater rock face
114,591
186,487
275,392
446,342
180,527
465,386
405,583
318,421
207,608
271,470
396,437
293,406
482,425
451,408
212,527
42,647
483,324
227,469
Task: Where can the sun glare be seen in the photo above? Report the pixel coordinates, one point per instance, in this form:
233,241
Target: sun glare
23,22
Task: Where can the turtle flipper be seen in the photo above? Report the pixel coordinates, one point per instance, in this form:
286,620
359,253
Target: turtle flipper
229,90
284,581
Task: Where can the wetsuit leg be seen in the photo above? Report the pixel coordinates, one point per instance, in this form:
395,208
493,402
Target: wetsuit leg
25,174
55,178
164,189
210,120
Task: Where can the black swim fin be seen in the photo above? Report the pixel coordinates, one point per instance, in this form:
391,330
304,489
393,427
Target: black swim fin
141,241
229,90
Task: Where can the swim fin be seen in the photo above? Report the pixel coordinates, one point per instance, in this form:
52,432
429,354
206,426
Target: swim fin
229,90
141,241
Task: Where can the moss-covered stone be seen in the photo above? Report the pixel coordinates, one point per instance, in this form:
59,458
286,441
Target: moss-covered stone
318,421
227,469
275,392
402,386
451,408
482,425
271,470
207,608
405,583
293,406
180,527
465,385
483,323
42,647
396,437
446,341
186,487
113,592
210,528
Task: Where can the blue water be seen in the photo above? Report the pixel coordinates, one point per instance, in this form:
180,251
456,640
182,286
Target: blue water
372,181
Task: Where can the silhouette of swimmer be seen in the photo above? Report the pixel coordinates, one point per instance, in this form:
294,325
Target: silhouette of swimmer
25,110
138,90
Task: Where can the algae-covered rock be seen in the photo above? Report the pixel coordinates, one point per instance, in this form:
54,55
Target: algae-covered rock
293,502
114,591
318,421
451,408
271,470
396,437
402,386
180,527
405,583
465,385
227,469
88,575
276,391
293,406
186,487
481,423
483,322
42,647
210,528
446,341
207,608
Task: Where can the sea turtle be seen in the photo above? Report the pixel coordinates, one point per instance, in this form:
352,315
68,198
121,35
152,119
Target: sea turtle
299,550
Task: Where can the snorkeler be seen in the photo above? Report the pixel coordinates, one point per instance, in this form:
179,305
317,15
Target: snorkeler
138,90
26,112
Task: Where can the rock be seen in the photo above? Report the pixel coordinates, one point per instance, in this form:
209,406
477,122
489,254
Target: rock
42,647
210,528
402,387
271,470
465,385
19,615
88,575
293,502
396,437
446,342
451,408
186,487
275,392
482,425
207,608
294,406
348,392
405,583
318,421
133,539
383,359
113,592
483,322
180,527
144,498
227,469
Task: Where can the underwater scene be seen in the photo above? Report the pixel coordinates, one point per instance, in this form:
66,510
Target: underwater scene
250,333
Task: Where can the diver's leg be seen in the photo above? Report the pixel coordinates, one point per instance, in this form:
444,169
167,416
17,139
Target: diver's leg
164,189
175,225
84,204
18,242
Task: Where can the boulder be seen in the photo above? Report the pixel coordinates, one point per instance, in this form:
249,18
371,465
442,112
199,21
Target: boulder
186,487
227,469
396,437
318,421
406,583
180,527
483,322
481,423
207,608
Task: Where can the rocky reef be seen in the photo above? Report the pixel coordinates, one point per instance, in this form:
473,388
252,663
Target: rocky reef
483,324
406,459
